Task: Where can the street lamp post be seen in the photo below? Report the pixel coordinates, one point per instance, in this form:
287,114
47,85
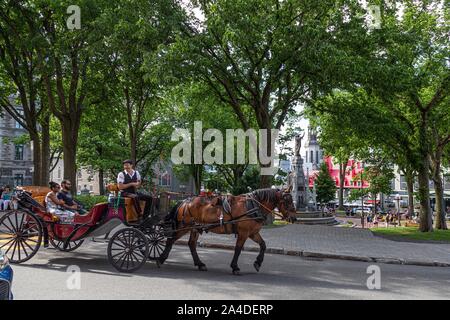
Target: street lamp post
362,197
398,198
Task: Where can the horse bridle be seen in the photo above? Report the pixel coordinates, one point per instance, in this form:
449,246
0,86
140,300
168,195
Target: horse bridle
265,207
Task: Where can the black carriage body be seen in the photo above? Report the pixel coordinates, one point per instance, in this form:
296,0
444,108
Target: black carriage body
22,232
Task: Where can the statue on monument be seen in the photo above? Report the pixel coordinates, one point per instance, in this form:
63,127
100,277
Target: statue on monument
290,180
298,144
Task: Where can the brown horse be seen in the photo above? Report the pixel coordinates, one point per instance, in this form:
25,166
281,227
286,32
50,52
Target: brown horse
242,215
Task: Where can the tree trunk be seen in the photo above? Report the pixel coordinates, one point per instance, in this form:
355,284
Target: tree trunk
133,144
70,140
37,163
440,204
342,167
374,199
410,187
426,216
266,179
45,161
197,172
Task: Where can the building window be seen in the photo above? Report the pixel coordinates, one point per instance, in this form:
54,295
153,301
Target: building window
403,184
447,182
311,160
17,124
306,156
18,179
317,156
19,152
59,173
165,180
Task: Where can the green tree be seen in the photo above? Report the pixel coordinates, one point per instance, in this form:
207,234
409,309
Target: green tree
411,77
135,30
266,56
66,64
325,185
335,136
20,86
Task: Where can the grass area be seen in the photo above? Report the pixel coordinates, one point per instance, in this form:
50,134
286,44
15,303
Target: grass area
413,233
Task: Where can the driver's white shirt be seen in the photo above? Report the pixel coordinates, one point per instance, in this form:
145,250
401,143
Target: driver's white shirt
121,176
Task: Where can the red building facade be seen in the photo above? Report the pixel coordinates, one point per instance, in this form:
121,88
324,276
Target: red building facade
352,170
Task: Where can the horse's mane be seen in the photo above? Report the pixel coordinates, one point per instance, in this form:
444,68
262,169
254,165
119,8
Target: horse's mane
265,195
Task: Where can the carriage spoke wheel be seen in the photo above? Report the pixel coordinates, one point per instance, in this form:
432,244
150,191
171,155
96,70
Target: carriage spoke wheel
156,243
128,250
20,235
59,245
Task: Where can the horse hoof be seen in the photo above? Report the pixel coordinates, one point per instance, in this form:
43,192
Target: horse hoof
257,266
158,263
236,272
202,268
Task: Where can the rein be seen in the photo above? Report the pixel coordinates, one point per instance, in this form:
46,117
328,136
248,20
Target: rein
233,220
265,207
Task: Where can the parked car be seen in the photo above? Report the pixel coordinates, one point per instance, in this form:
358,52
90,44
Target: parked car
6,278
365,210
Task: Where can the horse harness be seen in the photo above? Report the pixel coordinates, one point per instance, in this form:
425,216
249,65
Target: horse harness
253,212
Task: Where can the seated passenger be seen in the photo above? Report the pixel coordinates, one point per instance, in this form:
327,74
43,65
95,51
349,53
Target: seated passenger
66,196
56,206
5,198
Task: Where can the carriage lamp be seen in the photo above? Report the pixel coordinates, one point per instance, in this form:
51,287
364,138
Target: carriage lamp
4,262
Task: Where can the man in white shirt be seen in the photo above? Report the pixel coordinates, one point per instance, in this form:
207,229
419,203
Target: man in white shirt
128,181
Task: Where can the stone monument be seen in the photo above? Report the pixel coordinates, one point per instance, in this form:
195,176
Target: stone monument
304,199
297,178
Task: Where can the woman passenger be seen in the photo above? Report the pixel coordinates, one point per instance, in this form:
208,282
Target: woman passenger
55,205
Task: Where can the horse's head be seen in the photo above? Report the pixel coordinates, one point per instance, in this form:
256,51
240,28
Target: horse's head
276,198
286,204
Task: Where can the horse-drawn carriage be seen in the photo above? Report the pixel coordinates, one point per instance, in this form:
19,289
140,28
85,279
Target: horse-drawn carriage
149,237
23,231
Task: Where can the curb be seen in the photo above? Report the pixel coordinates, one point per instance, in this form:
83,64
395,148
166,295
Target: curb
311,254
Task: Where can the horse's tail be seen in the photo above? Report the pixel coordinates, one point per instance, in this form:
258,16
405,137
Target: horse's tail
172,215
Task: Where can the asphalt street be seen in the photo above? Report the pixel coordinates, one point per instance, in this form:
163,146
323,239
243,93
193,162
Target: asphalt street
49,276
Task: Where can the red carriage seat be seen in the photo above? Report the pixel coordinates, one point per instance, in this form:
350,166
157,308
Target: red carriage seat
93,216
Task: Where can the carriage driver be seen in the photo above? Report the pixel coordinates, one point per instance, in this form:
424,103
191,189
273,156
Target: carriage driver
128,181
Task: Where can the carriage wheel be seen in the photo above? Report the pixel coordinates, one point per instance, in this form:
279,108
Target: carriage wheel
156,243
20,235
128,250
59,245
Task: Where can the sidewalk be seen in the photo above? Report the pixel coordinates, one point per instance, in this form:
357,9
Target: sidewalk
336,243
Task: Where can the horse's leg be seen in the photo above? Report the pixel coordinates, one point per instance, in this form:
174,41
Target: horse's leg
193,247
169,243
262,245
165,254
237,251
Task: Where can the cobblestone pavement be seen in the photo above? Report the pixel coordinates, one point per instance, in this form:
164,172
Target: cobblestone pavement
341,243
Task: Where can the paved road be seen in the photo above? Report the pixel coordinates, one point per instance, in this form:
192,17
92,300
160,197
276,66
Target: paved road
282,277
342,241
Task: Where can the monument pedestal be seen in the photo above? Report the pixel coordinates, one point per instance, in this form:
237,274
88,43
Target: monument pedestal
299,192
